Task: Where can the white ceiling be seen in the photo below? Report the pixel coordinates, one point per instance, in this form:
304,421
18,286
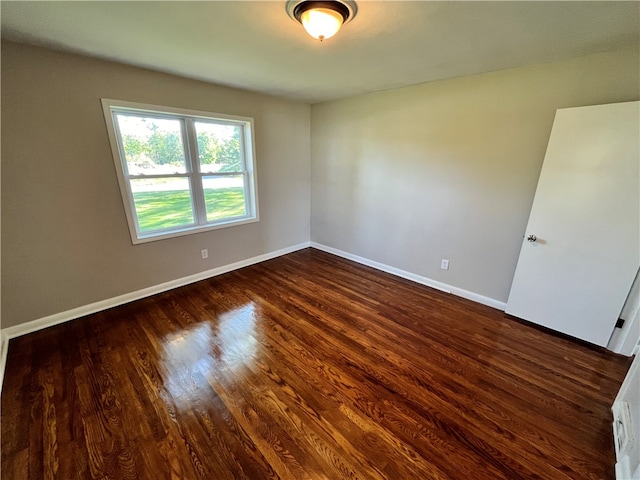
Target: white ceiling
256,46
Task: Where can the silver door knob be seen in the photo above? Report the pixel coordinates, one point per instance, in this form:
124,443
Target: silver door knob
532,238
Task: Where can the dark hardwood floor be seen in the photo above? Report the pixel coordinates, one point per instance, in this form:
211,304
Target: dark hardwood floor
306,367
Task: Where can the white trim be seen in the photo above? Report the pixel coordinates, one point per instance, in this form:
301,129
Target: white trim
626,341
4,347
475,297
625,410
57,318
41,323
111,108
159,110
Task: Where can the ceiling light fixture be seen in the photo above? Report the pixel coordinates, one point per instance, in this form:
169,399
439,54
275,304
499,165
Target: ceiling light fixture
322,19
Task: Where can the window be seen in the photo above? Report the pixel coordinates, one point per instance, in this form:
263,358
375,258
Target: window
181,171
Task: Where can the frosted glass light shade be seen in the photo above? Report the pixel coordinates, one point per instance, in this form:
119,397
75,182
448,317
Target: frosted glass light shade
321,23
322,18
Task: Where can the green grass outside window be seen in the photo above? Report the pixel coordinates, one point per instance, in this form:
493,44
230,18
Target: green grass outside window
172,208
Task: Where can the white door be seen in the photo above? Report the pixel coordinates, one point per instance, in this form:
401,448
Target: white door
581,249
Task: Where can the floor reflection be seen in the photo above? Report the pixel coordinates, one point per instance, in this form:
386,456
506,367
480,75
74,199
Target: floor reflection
213,350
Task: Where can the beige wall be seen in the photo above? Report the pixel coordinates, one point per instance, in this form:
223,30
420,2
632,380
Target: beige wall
65,241
448,169
404,177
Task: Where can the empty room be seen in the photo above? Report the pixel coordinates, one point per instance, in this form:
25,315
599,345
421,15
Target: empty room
320,240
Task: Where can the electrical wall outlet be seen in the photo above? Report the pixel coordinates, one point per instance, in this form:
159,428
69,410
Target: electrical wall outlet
444,264
205,253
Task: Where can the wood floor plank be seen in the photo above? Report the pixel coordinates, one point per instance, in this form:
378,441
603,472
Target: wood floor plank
452,392
306,366
357,373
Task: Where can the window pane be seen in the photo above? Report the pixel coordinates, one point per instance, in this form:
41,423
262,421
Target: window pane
224,197
162,203
219,147
152,146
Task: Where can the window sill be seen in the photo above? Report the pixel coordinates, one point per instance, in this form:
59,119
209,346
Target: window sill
191,230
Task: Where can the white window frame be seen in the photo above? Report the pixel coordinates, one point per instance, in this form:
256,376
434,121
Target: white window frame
193,174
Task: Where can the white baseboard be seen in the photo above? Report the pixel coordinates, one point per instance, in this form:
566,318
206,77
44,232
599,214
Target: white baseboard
7,334
4,347
57,318
491,302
